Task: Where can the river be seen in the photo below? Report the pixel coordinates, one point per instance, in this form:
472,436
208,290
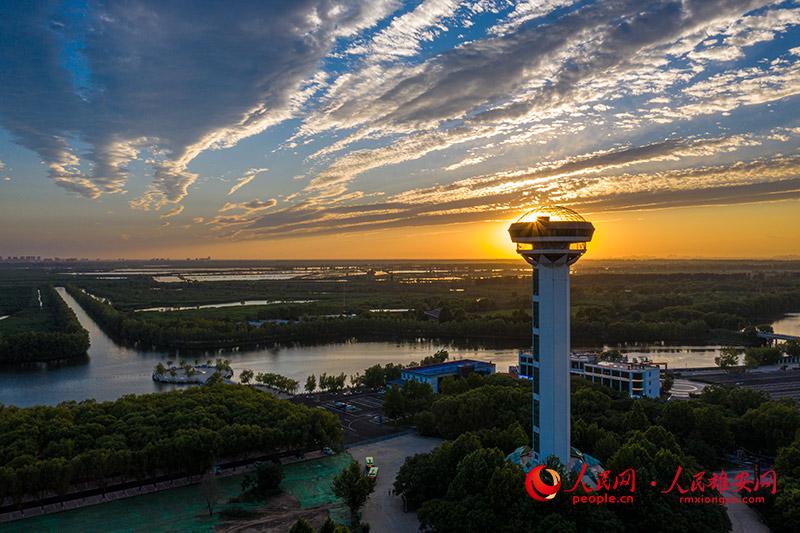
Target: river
112,370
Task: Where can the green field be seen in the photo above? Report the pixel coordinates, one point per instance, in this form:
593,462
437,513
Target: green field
184,509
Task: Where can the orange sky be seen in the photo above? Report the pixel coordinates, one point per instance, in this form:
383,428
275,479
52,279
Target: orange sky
763,230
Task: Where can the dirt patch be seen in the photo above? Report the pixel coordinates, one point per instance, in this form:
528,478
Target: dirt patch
277,516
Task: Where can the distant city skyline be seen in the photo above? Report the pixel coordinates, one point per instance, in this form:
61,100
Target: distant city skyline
318,129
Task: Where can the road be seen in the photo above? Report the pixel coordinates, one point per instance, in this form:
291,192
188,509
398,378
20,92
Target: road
743,518
383,511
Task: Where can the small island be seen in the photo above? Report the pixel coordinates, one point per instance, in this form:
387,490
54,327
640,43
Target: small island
198,374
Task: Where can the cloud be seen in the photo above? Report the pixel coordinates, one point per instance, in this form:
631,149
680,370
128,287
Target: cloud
235,214
607,180
403,35
252,205
544,66
175,211
249,176
162,74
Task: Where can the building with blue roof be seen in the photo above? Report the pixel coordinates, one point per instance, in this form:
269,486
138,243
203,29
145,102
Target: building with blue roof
434,374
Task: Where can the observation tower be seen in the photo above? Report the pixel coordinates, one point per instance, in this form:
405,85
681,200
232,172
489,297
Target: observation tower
550,238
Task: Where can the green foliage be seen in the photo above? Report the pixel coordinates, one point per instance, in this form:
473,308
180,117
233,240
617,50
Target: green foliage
138,437
769,426
353,487
782,510
728,357
757,356
277,381
64,338
374,377
608,308
311,383
332,383
328,527
264,482
246,375
487,407
409,399
791,348
301,526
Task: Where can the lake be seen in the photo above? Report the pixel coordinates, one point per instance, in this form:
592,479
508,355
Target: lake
113,370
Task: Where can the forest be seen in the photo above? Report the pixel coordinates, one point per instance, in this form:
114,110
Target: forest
46,450
466,485
607,309
34,332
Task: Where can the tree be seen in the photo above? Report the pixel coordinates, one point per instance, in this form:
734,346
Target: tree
264,482
373,377
311,383
354,487
332,527
215,379
792,348
210,491
160,369
611,355
301,526
728,357
394,404
246,376
766,355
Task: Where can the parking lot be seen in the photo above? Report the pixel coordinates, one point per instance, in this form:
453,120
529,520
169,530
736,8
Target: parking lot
361,413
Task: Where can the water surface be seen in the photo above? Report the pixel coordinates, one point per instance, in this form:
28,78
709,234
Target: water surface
112,370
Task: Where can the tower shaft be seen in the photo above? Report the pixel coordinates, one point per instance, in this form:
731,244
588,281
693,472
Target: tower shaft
551,350
550,238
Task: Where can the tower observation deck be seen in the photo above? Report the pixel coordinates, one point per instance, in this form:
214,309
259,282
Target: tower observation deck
551,238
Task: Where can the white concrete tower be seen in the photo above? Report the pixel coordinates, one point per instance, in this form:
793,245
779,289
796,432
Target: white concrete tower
550,238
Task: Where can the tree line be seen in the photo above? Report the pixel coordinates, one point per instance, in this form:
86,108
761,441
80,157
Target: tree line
67,340
46,450
645,314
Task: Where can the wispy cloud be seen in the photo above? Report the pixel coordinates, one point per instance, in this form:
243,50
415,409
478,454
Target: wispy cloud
384,114
247,178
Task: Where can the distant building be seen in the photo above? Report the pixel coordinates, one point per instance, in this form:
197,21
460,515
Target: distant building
434,374
638,380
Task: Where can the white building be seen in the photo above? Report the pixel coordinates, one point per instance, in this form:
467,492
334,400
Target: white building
638,380
551,239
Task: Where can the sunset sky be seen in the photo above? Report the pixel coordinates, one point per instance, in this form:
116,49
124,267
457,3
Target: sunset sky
388,129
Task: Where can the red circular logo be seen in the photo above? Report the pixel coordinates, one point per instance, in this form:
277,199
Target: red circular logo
538,488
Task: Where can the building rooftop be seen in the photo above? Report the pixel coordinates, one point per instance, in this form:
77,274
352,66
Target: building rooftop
624,366
447,367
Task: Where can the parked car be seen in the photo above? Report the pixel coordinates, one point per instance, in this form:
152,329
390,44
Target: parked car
327,451
373,473
370,462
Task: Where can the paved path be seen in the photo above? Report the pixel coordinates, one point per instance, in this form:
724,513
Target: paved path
384,512
744,519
